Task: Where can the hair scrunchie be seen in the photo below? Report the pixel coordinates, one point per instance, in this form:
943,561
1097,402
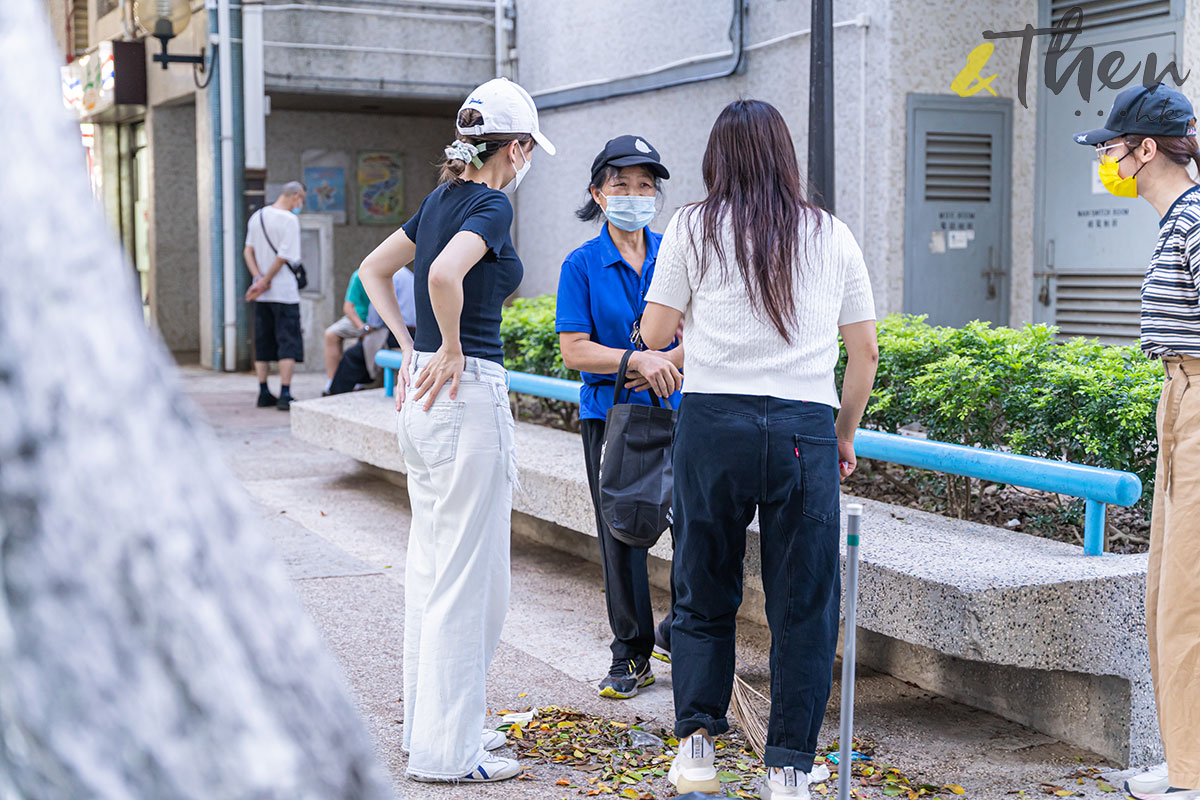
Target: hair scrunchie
458,150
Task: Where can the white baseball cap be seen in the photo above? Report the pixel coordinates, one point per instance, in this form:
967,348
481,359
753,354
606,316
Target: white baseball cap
506,108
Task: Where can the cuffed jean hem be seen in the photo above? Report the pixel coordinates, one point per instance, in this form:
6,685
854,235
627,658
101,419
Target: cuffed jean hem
686,727
783,757
452,777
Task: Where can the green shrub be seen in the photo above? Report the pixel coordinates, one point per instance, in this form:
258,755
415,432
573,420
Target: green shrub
1019,390
530,343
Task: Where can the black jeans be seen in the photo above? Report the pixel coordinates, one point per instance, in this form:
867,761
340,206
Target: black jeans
626,585
352,369
733,454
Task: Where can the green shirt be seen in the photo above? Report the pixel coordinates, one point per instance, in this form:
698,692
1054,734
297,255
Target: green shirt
356,294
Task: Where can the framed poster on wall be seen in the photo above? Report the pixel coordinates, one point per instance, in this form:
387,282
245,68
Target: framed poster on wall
325,173
380,188
326,191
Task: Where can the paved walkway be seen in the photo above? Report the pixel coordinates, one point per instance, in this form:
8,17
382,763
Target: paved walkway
342,531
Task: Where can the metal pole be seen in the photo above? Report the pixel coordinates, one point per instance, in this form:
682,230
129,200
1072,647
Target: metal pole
253,175
217,224
1093,528
845,762
228,196
241,275
501,37
820,104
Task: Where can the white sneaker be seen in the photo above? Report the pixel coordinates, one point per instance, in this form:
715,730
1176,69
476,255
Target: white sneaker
694,768
494,740
493,768
784,782
1170,793
1152,781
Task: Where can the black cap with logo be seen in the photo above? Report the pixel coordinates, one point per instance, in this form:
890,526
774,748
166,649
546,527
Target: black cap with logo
627,151
1155,110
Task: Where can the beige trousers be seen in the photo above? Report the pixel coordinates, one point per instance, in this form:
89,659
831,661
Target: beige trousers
1173,580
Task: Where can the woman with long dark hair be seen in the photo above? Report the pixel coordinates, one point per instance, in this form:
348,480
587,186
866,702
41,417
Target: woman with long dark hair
765,281
456,430
1145,150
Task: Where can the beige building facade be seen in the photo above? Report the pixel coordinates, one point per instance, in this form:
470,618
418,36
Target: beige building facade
966,207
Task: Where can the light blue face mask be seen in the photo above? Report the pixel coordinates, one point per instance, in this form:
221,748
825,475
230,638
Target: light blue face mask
629,212
296,210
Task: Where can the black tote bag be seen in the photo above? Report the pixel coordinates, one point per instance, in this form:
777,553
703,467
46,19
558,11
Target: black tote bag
635,468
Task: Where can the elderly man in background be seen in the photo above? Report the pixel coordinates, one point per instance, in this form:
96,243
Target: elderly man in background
273,242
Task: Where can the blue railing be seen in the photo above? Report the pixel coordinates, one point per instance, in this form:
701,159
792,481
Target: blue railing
1097,486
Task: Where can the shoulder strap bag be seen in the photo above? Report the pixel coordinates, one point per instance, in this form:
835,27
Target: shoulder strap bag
297,268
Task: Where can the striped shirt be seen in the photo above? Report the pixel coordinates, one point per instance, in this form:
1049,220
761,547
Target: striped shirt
1170,296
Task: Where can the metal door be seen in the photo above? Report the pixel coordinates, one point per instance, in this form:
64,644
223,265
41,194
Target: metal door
1092,248
957,209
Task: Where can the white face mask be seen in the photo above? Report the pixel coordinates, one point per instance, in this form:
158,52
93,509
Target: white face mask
511,186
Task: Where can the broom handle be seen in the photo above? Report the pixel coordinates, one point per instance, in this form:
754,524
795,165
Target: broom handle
845,765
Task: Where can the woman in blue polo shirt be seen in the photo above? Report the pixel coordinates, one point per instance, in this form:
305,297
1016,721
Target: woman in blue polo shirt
601,294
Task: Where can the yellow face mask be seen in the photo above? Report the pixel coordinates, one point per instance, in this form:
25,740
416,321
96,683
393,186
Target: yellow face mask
1112,180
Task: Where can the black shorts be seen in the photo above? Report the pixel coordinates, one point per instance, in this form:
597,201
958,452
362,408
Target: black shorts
277,332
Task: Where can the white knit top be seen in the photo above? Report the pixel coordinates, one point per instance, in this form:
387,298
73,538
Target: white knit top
730,346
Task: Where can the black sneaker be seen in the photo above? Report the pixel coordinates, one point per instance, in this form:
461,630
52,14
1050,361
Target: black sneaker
625,678
266,400
662,648
284,403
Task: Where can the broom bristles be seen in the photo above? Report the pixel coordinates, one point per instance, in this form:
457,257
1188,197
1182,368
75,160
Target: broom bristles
745,704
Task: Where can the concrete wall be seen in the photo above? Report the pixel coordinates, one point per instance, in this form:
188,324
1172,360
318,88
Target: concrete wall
420,139
175,274
1190,46
56,18
463,41
560,46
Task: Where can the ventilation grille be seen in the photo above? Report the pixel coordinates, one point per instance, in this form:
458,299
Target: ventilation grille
1104,305
958,167
1105,13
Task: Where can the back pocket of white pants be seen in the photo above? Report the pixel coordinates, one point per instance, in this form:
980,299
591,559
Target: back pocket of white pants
434,433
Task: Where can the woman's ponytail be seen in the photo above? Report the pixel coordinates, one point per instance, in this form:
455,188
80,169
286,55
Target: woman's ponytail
1195,146
1182,150
474,149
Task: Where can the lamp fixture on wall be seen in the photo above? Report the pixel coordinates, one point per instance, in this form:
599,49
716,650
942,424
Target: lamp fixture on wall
164,20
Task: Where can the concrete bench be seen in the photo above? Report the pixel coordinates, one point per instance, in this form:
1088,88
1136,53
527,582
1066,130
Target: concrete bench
1018,625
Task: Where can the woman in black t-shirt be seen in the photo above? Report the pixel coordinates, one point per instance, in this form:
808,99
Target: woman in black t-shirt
456,430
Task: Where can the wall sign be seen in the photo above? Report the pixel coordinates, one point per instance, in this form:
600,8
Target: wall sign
380,188
326,191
